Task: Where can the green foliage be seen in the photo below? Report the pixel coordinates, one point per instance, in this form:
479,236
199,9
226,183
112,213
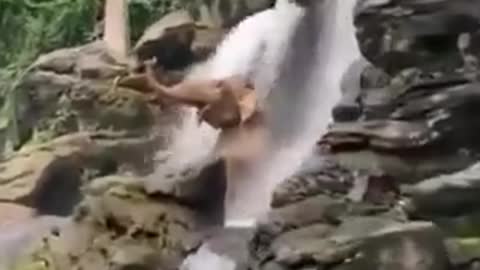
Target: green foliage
32,27
29,28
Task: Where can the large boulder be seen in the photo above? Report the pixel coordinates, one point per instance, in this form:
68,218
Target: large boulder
396,35
71,90
118,225
190,35
409,113
314,224
169,40
48,177
227,13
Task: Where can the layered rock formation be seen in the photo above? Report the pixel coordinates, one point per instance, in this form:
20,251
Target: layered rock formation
81,137
396,187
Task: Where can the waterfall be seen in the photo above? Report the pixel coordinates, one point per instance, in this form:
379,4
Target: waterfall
296,58
306,86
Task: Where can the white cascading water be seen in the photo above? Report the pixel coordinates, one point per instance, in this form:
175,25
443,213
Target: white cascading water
296,61
260,50
305,89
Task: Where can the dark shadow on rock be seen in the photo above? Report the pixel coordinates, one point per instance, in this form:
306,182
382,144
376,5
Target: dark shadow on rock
168,52
58,190
206,194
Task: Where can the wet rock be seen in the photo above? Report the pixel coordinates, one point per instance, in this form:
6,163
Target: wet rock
463,252
120,221
17,239
333,233
316,223
72,90
348,108
446,195
169,40
118,226
203,190
328,178
225,14
403,34
91,61
96,62
389,187
48,176
413,135
409,124
183,37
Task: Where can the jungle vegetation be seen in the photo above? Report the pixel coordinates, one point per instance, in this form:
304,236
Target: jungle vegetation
29,28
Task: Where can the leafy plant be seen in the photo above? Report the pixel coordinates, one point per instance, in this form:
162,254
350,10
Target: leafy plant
29,28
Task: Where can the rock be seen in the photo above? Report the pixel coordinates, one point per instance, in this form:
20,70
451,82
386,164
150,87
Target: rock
203,190
120,226
348,108
411,167
91,61
463,251
405,128
422,25
72,90
352,237
328,178
61,61
19,238
183,37
415,122
43,175
169,40
225,14
409,246
446,195
96,62
390,180
206,41
68,164
97,106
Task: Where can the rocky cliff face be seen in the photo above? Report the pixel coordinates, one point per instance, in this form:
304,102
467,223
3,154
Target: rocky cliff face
392,185
397,190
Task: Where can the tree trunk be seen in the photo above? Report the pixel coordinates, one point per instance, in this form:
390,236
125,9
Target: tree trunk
117,34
